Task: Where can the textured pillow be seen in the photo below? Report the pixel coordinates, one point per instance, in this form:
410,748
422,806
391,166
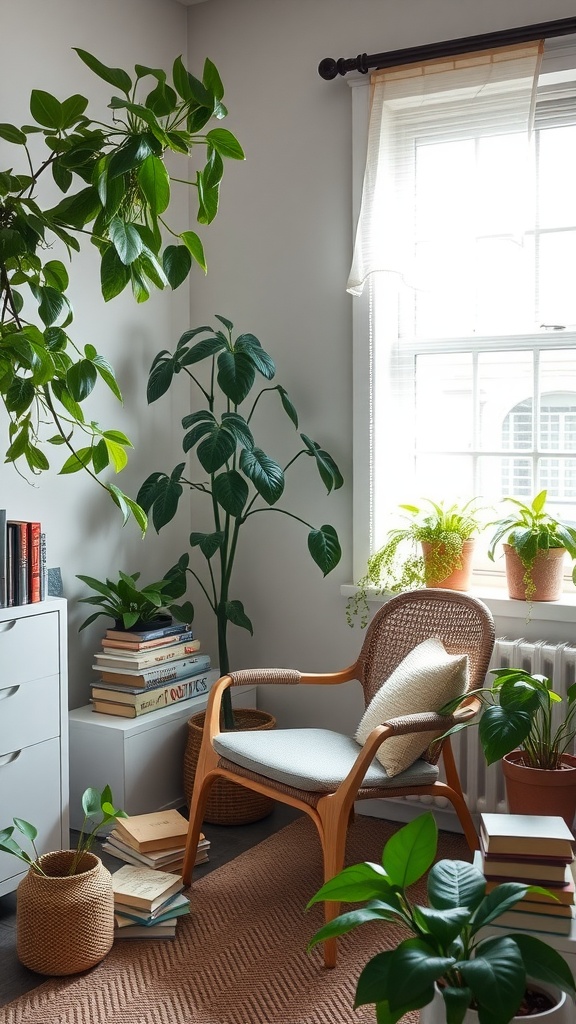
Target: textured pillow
426,679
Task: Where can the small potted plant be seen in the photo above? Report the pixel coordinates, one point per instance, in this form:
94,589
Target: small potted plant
534,547
446,966
142,608
434,549
517,725
65,904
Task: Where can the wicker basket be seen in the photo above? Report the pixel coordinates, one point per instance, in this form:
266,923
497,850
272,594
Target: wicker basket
228,804
64,923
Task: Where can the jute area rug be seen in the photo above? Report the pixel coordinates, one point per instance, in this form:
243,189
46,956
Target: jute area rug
240,958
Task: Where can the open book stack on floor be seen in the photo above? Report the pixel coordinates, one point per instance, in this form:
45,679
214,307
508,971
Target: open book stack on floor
156,840
147,902
141,671
537,850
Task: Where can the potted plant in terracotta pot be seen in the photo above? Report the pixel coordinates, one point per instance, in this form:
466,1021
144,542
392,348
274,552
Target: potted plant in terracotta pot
442,963
517,726
65,904
237,482
535,544
434,549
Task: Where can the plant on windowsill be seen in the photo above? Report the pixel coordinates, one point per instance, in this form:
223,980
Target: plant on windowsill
445,966
534,545
65,903
243,480
434,549
138,608
518,726
116,193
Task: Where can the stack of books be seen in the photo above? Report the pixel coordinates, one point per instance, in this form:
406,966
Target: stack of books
23,573
537,850
141,671
156,840
147,903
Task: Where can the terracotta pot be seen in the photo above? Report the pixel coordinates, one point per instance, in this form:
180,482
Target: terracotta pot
546,575
539,790
64,923
228,804
561,1013
460,577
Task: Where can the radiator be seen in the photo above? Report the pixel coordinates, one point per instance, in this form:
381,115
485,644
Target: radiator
483,786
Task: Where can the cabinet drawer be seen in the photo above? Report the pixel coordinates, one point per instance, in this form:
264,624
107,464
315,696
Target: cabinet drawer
28,648
30,789
29,713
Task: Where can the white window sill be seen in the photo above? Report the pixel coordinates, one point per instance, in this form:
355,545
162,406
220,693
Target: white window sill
500,604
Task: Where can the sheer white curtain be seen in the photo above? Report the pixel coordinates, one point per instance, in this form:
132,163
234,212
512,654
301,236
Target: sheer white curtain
483,93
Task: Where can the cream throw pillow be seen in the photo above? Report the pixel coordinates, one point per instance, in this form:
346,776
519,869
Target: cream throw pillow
426,679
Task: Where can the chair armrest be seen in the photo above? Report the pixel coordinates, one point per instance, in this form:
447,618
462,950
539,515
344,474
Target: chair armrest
289,676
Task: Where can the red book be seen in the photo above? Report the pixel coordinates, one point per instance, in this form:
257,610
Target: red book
34,531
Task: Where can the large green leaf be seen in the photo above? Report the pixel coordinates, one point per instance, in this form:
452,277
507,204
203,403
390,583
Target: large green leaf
160,379
455,883
154,181
217,447
355,884
114,275
81,378
264,472
443,925
231,492
237,616
177,263
410,851
114,76
501,730
324,546
10,133
46,109
130,155
209,543
195,247
225,144
238,426
19,395
327,468
344,923
161,493
497,977
260,359
126,240
544,962
236,375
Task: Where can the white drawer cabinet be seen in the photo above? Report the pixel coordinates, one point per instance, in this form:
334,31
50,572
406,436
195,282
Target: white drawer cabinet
141,759
33,727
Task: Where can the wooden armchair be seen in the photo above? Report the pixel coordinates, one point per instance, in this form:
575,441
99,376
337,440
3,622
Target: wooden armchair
323,773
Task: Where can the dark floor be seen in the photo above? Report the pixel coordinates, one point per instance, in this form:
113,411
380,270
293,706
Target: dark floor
227,842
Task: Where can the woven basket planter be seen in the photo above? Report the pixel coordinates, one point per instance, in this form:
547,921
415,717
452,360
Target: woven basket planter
228,804
64,923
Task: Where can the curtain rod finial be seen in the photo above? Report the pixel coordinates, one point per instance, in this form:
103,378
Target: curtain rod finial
328,69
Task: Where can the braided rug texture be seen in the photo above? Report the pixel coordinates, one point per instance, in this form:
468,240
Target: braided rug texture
240,957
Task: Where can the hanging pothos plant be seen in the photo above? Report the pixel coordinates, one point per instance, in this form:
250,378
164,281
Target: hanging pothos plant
117,193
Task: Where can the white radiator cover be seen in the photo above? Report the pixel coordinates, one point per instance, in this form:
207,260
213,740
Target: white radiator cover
483,786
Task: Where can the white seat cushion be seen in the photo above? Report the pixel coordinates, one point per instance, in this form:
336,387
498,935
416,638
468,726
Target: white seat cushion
316,760
426,679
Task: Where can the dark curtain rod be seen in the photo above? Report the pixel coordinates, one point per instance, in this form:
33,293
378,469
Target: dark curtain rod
330,68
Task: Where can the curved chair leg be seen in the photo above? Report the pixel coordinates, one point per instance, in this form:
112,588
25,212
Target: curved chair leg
456,796
197,812
334,819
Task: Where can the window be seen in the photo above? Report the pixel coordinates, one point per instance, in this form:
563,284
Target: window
472,357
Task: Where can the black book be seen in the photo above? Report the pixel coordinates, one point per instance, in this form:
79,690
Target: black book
3,560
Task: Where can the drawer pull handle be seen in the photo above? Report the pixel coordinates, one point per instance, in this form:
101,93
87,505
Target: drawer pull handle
5,627
9,758
8,691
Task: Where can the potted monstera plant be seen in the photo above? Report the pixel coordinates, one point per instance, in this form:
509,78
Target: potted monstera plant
238,481
434,547
441,961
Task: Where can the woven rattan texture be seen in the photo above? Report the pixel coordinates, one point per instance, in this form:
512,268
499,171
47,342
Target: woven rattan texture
65,924
228,804
240,958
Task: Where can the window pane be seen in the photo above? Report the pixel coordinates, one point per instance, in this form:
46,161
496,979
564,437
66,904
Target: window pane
444,412
500,477
557,259
505,186
444,477
505,380
557,158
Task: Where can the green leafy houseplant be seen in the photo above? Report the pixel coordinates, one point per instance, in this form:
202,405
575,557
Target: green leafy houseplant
530,529
518,712
242,480
399,564
117,193
445,945
94,803
124,602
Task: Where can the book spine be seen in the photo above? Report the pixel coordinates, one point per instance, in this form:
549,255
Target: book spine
12,564
34,531
20,560
3,560
149,634
146,645
112,662
152,677
43,568
143,704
